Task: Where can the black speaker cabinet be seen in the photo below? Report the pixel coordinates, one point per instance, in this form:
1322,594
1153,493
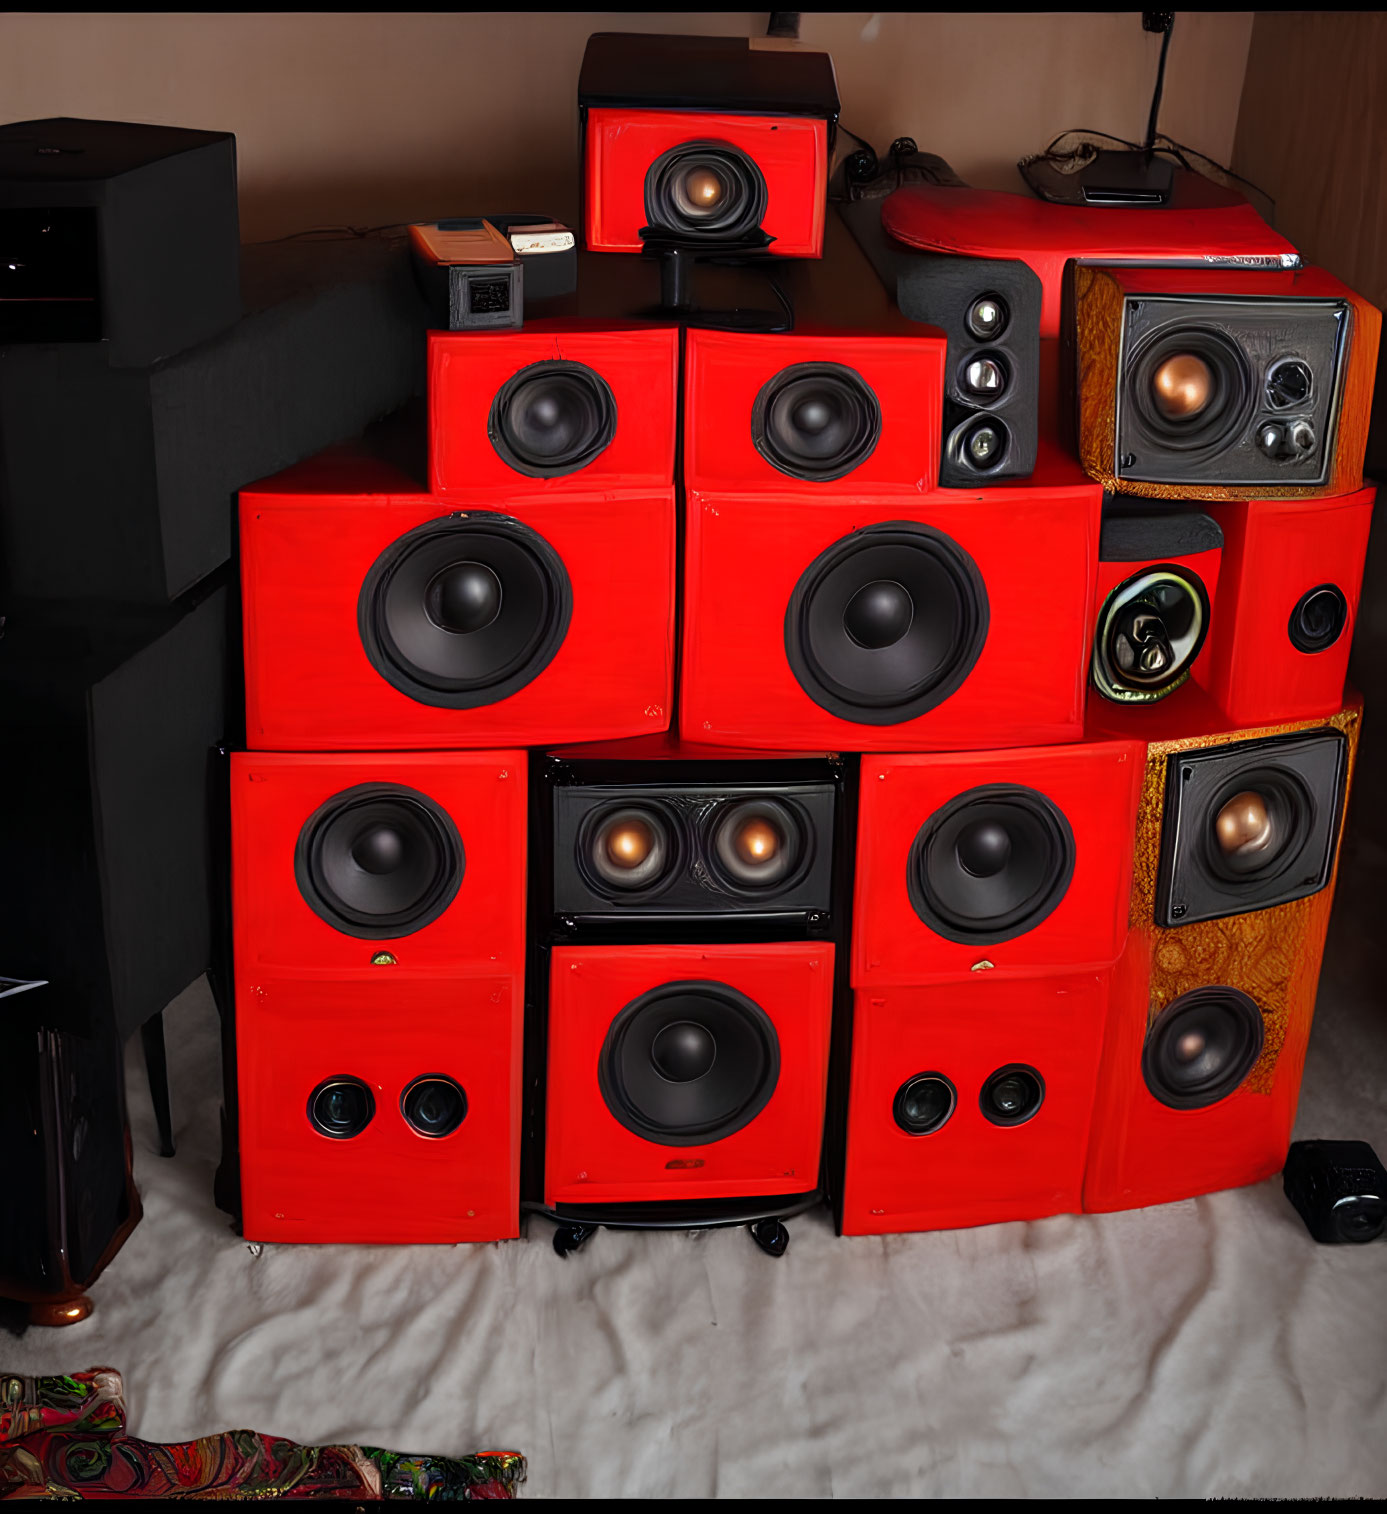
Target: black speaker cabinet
120,483
1339,1188
110,717
68,1200
118,234
990,310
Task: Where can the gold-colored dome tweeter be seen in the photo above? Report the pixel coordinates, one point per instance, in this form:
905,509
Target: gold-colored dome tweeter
1244,827
757,842
628,844
1182,385
703,189
630,848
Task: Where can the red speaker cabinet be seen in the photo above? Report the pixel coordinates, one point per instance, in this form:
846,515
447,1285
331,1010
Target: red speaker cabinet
830,410
562,407
1237,845
854,622
1287,605
998,864
970,1102
381,620
686,1072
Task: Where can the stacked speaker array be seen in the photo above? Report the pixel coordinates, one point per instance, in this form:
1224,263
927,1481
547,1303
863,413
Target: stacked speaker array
878,757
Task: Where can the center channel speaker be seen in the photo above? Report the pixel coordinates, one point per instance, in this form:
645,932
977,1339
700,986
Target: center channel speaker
1221,385
812,413
379,923
705,141
1007,863
494,619
881,622
970,1102
1212,1000
1157,581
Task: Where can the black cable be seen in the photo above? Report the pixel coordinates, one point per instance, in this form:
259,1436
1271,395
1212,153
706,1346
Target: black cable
1160,85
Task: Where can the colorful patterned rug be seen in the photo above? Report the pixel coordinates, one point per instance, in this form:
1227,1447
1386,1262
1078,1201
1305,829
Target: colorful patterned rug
64,1437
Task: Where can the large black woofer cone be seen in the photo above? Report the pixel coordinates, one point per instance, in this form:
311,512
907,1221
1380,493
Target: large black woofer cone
758,845
464,611
1318,619
552,418
886,623
1012,1095
1223,417
1150,630
816,421
434,1105
924,1103
1202,1047
341,1108
705,189
631,851
689,1062
379,861
1256,824
991,864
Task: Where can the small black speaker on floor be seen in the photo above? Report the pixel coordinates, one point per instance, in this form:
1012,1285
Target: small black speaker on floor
117,233
1339,1188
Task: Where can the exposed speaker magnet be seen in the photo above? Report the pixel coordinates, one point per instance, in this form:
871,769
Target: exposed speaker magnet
1012,1095
991,864
1150,630
1318,619
886,623
464,611
689,1063
434,1105
924,1103
705,189
816,421
1202,1047
379,861
552,418
341,1108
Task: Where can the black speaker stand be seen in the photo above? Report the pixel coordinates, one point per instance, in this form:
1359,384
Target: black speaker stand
763,1217
677,303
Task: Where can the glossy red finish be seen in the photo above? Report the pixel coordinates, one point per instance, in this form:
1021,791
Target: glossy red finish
273,794
621,144
970,1171
1275,550
306,550
1143,1152
640,364
725,371
388,1184
1035,545
591,1158
1095,785
993,224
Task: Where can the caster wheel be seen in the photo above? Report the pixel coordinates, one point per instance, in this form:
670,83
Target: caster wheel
570,1237
771,1236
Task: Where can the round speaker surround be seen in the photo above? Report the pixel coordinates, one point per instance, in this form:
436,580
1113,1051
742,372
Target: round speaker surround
688,1063
816,421
631,851
924,1103
552,418
1239,849
1150,630
1318,619
990,865
705,190
464,611
758,844
379,861
1202,1046
1229,391
434,1105
341,1108
886,623
1012,1095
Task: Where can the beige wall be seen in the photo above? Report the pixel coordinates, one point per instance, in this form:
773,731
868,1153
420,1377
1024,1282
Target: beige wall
381,117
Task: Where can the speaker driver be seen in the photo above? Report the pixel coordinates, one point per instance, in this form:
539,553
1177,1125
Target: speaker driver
434,1106
705,189
886,623
757,844
1012,1095
991,864
1256,825
688,1063
1202,1047
379,861
552,418
341,1108
1190,389
1150,630
634,849
464,611
1318,619
816,421
924,1103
